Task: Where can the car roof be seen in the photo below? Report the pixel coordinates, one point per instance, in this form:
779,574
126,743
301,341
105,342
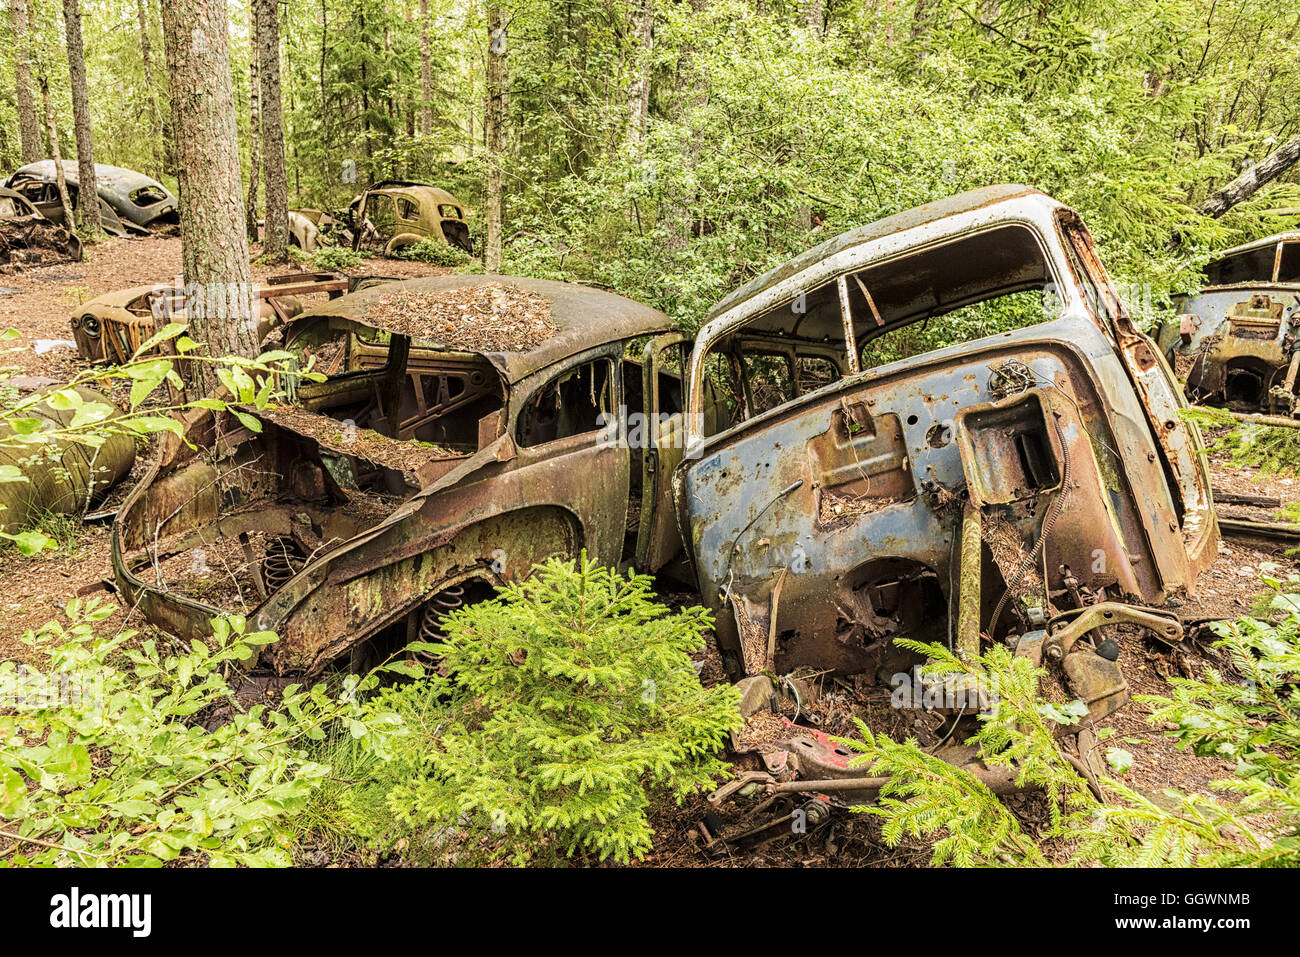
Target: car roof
584,317
1290,237
952,206
115,176
431,193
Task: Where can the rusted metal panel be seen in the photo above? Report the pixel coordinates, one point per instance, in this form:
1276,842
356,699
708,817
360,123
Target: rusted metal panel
1092,424
352,563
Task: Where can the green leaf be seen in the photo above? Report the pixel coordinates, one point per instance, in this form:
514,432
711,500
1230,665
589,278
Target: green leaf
169,331
30,542
25,425
13,793
248,421
1119,759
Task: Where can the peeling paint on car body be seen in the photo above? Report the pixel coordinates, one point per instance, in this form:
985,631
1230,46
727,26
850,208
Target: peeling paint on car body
1138,523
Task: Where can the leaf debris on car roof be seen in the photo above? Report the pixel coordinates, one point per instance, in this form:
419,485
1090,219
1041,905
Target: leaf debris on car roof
491,317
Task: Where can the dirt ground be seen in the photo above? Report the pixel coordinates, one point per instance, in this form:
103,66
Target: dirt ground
39,302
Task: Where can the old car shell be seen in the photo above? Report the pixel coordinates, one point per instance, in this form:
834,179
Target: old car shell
493,515
1139,521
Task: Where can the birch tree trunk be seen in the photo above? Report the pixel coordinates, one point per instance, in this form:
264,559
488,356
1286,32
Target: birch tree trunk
59,181
29,126
638,92
214,254
275,233
87,188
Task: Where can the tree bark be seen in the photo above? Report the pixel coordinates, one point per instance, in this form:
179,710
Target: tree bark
638,92
494,116
1246,185
214,254
426,71
87,188
254,128
275,233
29,126
814,12
146,55
60,182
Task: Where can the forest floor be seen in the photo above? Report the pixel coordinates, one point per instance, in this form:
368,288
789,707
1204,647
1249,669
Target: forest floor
38,303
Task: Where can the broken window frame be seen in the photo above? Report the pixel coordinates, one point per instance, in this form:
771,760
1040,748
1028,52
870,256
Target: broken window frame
720,337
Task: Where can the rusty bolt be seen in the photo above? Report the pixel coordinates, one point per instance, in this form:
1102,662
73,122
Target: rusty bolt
1054,652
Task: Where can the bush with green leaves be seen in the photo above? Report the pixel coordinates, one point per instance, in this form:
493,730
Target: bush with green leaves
336,258
154,398
105,759
1248,713
569,701
434,251
1268,448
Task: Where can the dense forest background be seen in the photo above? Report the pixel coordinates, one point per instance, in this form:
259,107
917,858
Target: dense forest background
671,150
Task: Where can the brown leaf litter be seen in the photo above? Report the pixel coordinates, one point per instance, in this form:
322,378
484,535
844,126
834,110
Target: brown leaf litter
493,317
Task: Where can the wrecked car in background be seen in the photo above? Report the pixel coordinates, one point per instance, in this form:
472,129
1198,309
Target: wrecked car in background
29,239
130,202
111,328
397,213
1029,487
457,443
1235,341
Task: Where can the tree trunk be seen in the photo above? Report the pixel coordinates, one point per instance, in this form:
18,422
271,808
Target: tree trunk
275,233
638,92
426,71
254,129
53,131
814,12
494,116
324,96
146,55
29,126
1246,185
87,188
219,297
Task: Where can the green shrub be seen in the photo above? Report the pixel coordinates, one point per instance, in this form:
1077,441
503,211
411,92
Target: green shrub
336,258
104,759
1252,717
1249,444
433,251
569,700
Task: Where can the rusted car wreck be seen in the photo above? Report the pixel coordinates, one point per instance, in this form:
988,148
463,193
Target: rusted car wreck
1034,486
111,328
130,203
1236,340
28,238
1030,487
394,214
437,459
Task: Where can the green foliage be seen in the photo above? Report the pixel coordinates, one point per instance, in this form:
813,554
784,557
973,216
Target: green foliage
569,700
105,759
336,258
1252,717
30,435
434,251
1249,444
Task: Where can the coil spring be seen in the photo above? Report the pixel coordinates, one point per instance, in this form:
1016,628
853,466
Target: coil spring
437,608
283,559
